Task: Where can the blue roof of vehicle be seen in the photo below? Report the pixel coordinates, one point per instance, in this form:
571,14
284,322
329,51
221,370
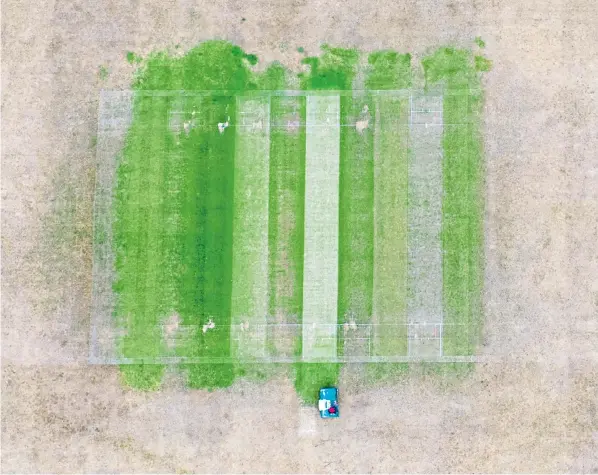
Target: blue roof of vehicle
328,393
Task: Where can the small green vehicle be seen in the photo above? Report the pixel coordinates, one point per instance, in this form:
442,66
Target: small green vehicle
328,403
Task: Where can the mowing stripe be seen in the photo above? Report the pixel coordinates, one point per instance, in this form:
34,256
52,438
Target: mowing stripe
356,218
206,258
462,225
115,116
217,211
463,203
424,303
390,226
320,278
287,203
139,201
249,305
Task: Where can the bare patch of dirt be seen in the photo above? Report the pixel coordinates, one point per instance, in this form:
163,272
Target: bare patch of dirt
171,327
292,123
532,407
364,120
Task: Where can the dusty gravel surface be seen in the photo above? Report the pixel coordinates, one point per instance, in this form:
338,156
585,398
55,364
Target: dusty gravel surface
531,408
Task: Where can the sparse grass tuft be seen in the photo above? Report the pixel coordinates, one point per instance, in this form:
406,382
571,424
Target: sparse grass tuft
103,72
482,64
142,377
386,373
133,58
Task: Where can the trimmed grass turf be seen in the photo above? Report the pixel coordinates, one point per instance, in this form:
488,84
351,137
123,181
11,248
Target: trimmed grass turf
250,225
334,70
173,229
390,70
310,377
390,226
356,217
463,204
287,210
174,206
142,377
139,251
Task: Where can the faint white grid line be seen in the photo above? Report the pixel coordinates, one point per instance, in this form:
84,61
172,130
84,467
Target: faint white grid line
374,214
398,125
283,92
441,330
298,359
409,351
440,345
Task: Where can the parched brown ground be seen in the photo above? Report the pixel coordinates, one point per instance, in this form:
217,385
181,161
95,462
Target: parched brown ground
531,408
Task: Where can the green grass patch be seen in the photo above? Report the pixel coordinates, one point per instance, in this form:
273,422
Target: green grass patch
173,229
210,376
250,221
103,73
482,64
138,239
310,377
390,226
356,212
142,377
388,70
334,69
386,373
463,204
286,209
